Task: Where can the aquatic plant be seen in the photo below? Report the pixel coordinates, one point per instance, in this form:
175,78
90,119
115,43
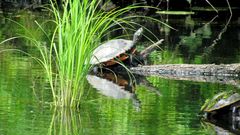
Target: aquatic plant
79,28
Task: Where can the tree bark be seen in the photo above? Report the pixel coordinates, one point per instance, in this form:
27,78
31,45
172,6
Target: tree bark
225,73
190,69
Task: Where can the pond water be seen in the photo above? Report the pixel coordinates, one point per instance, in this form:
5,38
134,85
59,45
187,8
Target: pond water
172,108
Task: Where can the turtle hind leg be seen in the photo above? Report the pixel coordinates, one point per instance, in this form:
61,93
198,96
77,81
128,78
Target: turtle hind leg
236,110
138,60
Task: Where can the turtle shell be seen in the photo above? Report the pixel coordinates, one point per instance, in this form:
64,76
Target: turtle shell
221,100
110,50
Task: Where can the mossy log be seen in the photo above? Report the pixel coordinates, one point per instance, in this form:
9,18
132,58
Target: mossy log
190,69
224,73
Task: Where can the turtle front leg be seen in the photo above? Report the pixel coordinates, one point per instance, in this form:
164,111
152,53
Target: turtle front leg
130,58
235,117
236,110
131,61
236,114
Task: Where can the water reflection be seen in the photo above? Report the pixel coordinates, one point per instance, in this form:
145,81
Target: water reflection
66,121
175,112
121,89
112,85
120,86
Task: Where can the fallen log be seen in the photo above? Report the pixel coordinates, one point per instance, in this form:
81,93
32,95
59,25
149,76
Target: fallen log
224,73
190,69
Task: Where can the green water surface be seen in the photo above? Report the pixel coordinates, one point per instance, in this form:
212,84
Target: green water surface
25,94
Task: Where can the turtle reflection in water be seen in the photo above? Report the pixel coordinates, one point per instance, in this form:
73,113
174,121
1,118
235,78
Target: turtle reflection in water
119,86
114,86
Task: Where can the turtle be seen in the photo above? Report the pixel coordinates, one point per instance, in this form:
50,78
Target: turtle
109,53
226,99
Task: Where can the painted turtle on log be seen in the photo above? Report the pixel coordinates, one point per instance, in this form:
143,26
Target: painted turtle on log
111,52
221,104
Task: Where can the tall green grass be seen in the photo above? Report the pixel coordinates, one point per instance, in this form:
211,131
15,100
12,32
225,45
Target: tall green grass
79,28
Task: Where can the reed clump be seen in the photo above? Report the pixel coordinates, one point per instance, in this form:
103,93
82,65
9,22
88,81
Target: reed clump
79,28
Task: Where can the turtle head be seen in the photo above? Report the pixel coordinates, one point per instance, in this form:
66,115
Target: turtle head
137,35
